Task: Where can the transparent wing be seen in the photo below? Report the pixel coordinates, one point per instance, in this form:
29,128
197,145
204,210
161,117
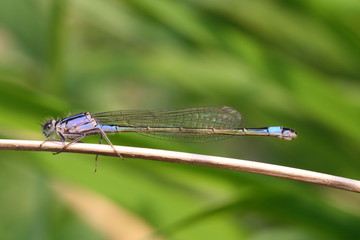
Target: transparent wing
204,117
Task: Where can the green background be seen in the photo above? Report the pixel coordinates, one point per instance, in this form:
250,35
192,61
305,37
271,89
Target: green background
292,63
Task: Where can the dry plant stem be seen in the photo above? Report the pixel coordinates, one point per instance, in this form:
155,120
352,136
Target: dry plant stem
188,158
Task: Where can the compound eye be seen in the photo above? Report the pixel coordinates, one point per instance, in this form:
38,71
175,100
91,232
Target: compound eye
48,128
48,125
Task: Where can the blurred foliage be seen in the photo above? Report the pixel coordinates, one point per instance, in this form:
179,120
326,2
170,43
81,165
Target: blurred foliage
293,63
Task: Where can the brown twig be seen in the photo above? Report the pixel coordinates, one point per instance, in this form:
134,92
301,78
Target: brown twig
188,158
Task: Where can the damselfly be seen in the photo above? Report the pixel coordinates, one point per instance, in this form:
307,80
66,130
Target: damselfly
189,124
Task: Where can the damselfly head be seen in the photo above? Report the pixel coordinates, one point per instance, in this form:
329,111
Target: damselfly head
48,128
